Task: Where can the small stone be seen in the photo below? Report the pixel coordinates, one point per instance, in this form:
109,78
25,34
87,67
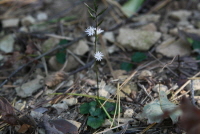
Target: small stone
126,89
61,106
71,101
14,22
180,15
196,84
112,49
27,89
128,113
7,43
149,27
49,44
111,89
28,20
19,105
104,93
80,48
109,36
147,18
137,39
172,48
145,74
36,115
23,29
55,65
160,87
41,16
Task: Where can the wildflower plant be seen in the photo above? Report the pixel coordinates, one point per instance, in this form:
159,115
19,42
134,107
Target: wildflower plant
96,109
95,31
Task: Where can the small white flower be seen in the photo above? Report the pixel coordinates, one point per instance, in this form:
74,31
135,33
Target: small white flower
98,56
99,30
90,31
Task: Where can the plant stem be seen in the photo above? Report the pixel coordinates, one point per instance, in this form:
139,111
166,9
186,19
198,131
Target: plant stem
96,63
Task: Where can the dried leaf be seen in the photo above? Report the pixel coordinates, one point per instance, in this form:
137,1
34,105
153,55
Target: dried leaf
7,112
157,110
190,119
64,126
59,126
23,128
54,79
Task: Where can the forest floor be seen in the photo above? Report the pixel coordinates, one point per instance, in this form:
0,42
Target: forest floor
147,82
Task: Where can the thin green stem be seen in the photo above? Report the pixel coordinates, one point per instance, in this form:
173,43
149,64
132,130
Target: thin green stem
96,63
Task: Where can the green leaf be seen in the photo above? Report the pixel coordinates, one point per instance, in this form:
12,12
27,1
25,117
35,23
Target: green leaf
138,57
100,23
126,66
198,57
110,106
93,104
61,54
196,44
101,12
95,111
95,122
95,6
131,7
189,40
91,15
89,8
84,108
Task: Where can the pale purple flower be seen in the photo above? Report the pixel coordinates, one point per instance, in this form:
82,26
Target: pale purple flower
90,31
98,56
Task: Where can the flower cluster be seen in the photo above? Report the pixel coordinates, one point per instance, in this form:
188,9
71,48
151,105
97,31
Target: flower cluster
98,56
91,31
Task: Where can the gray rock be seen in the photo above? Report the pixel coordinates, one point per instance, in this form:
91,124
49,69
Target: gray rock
160,87
7,43
41,16
147,18
49,44
171,48
180,14
109,36
14,22
137,39
28,20
27,89
80,48
128,113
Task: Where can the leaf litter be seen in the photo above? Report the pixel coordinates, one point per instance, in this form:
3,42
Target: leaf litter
144,52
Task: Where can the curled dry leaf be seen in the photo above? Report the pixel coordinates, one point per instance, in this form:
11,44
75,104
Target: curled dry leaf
59,126
7,112
54,79
190,119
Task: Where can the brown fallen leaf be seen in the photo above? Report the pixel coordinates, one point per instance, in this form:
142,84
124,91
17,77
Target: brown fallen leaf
7,112
190,119
59,126
54,79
